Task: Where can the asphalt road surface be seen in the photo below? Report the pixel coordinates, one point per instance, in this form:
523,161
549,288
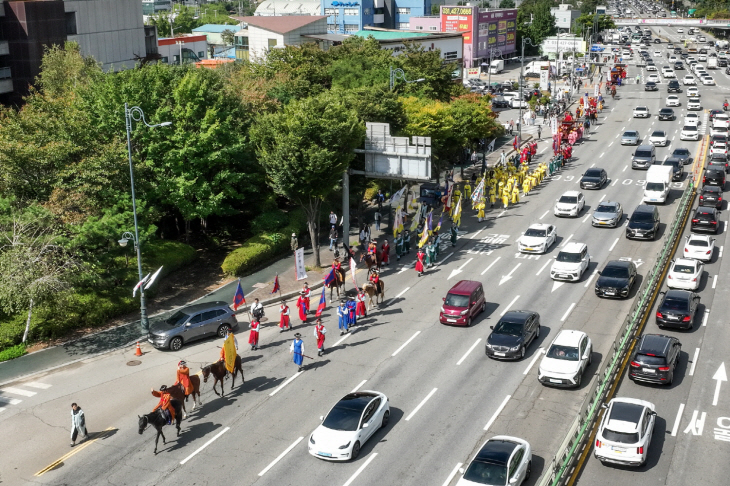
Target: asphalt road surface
446,396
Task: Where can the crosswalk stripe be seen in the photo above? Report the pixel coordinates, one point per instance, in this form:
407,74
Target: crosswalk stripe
18,391
35,384
11,401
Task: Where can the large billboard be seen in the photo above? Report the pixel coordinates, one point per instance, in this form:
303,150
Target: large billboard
458,19
496,29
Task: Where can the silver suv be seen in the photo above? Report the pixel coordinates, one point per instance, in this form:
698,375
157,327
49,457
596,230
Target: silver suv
197,321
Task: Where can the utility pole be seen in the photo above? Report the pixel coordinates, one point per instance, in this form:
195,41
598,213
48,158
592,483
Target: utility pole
522,76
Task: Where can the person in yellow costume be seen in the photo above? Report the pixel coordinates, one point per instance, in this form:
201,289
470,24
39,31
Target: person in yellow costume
492,197
505,199
526,186
515,195
480,210
467,190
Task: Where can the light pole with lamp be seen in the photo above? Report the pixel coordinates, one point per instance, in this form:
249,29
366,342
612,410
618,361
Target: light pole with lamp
398,73
135,113
522,81
492,53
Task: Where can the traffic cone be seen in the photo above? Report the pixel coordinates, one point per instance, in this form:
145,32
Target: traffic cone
138,351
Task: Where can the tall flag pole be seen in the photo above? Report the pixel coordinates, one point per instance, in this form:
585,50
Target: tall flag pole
277,287
322,303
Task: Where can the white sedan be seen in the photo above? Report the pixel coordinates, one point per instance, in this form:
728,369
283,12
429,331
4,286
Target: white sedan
654,77
719,148
668,73
658,137
566,359
641,112
538,238
348,425
694,104
673,100
699,247
689,132
680,31
689,79
570,203
693,92
510,462
708,81
657,53
625,432
651,67
685,274
692,119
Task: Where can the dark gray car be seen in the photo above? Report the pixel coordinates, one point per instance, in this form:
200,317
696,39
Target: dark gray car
512,334
683,155
197,321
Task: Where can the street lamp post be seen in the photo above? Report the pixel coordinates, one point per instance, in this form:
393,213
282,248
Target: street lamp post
135,113
492,53
522,76
398,73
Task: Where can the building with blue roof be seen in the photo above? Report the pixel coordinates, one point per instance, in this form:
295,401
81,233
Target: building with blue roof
348,17
213,32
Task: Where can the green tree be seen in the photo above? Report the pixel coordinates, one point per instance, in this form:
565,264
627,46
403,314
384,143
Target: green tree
507,4
162,22
437,75
543,22
304,150
64,68
228,36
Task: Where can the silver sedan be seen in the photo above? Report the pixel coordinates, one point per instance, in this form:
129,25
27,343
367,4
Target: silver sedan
630,137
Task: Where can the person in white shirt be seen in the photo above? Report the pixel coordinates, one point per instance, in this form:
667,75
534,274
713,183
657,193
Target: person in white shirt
333,218
257,310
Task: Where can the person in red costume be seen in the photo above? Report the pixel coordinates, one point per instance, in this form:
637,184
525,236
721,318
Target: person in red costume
421,256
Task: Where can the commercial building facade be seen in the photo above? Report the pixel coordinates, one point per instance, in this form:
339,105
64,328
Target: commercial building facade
266,33
351,16
564,16
487,33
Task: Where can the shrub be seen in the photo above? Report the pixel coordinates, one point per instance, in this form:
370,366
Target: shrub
269,221
12,352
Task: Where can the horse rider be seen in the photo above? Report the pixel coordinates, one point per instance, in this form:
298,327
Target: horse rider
168,411
375,278
373,250
223,348
183,378
339,273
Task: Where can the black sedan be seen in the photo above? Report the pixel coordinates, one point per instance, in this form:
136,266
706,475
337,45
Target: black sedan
705,219
677,309
667,114
616,279
593,179
677,167
650,86
711,196
512,334
683,155
655,359
500,102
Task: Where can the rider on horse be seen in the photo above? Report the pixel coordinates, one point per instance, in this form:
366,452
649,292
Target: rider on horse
183,378
374,277
373,249
223,348
167,409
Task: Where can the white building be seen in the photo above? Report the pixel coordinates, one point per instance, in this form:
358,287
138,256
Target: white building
111,31
191,48
564,16
268,32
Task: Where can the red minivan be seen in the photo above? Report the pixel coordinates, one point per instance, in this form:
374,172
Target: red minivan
463,302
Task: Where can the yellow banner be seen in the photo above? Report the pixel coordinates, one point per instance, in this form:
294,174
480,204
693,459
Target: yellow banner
230,348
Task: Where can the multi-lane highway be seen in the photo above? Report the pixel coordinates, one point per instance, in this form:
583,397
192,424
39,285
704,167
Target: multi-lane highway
446,396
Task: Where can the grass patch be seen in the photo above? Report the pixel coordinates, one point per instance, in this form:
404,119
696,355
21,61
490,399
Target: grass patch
12,352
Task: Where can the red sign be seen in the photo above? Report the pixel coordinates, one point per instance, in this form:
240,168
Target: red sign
458,19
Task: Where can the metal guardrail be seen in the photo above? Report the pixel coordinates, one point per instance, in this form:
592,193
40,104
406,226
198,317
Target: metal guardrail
561,465
667,22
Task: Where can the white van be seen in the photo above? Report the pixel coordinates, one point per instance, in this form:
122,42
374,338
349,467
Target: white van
658,180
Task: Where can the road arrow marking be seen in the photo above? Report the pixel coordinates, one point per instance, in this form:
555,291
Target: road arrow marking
509,275
720,376
556,285
458,270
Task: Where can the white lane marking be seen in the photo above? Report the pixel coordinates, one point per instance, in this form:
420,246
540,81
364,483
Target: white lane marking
719,376
205,445
445,258
281,456
542,268
677,420
509,275
490,265
10,401
719,255
458,270
2,409
475,234
602,198
544,149
567,313
586,218
613,245
614,183
604,153
500,214
288,380
496,414
406,343
532,362
35,384
593,165
545,214
452,474
509,305
714,281
403,292
423,402
694,362
18,391
625,167
469,351
358,386
704,317
610,144
403,269
588,282
556,285
361,469
347,335
566,241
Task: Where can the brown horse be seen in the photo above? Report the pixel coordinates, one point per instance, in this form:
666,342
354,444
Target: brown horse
178,392
219,371
371,291
370,261
338,282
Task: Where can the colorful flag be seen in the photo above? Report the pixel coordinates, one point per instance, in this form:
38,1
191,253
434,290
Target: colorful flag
276,285
229,345
416,218
352,272
322,304
424,238
398,195
441,220
139,284
152,278
478,192
429,221
238,298
329,278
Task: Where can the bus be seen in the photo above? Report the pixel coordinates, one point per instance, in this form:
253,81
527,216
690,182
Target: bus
673,14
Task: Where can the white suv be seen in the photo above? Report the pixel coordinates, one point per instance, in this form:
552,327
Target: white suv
572,261
641,112
625,432
694,104
566,359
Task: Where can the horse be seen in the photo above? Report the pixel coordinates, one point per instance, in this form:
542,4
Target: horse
338,282
178,392
370,261
219,371
158,420
371,291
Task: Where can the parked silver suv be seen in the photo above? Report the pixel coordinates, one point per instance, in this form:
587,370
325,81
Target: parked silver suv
197,321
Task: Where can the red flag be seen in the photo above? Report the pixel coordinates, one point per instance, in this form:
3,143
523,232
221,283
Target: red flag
276,285
322,304
238,298
329,278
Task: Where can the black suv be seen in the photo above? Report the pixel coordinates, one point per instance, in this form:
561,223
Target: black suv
711,196
673,86
705,219
678,167
643,223
714,177
593,178
677,309
616,279
678,66
655,359
667,114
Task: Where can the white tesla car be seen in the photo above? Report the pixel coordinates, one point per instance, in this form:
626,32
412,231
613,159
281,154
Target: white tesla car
625,432
348,425
699,247
566,359
685,274
502,460
691,119
538,238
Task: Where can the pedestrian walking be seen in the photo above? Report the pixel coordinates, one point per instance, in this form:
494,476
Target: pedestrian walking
319,332
454,233
407,241
342,317
257,310
333,218
307,292
380,199
333,238
294,242
78,424
399,250
297,350
377,217
502,158
302,306
511,126
363,236
420,258
284,323
351,315
385,253
253,335
361,308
